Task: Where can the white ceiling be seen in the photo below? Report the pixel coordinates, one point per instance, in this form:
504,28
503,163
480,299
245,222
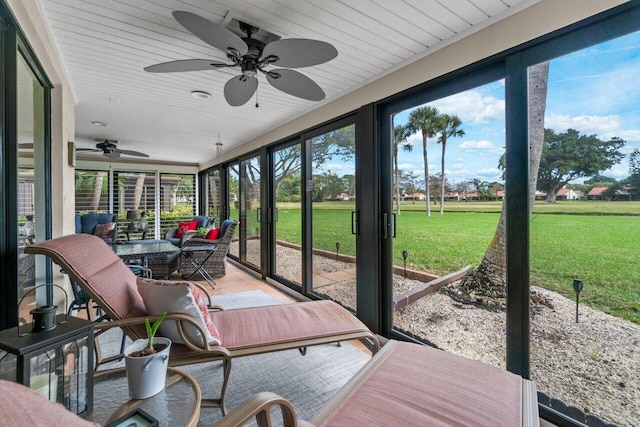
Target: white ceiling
105,44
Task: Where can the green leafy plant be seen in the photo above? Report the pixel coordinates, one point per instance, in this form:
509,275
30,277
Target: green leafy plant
201,231
152,329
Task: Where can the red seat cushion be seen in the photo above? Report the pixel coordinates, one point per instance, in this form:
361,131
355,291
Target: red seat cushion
184,226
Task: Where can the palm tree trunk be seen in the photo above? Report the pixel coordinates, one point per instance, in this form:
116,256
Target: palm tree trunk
97,191
490,276
137,193
444,145
426,172
397,177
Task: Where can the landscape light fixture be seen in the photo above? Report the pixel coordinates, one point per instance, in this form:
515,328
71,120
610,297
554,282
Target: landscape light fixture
577,287
405,254
337,249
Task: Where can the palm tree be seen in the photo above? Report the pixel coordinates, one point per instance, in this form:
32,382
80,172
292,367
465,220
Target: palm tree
490,276
424,119
448,127
400,135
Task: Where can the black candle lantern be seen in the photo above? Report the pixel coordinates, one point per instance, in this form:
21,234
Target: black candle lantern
54,358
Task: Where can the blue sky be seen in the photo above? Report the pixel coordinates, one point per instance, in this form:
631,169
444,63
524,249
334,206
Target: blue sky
595,90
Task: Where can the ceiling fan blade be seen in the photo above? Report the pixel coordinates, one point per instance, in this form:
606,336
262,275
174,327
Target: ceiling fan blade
240,89
185,65
95,150
210,32
298,53
296,84
131,153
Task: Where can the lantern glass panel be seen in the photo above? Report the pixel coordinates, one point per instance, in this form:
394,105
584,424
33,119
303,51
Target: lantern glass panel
8,364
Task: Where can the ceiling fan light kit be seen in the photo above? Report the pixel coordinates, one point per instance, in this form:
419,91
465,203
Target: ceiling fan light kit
252,56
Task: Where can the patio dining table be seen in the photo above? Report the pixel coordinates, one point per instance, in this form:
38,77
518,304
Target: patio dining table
164,253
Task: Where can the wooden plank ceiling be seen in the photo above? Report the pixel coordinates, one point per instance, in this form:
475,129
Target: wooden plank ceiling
105,44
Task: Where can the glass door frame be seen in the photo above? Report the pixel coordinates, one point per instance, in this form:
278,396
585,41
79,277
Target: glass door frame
12,44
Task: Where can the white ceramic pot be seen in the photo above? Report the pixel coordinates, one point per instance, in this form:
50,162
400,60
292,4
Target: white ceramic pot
146,375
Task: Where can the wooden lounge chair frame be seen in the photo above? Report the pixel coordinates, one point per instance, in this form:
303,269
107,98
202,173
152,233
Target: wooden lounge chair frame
247,331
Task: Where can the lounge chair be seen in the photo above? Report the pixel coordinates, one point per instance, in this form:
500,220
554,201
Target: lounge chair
109,282
410,384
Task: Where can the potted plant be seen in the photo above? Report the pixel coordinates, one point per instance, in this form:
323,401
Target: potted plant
146,362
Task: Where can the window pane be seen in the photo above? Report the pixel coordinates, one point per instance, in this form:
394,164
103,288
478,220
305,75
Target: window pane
134,191
333,200
177,199
31,182
234,205
92,191
288,220
585,226
448,201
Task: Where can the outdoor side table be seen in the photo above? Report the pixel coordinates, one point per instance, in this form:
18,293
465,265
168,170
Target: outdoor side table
177,405
186,253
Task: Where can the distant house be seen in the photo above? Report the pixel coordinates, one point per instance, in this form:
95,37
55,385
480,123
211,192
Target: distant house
344,197
473,196
596,193
454,195
540,195
414,196
568,194
500,195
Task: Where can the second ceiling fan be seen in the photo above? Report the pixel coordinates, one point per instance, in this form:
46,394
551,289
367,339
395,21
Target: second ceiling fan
252,56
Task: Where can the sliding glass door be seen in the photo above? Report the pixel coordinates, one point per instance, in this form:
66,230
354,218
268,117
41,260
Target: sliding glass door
286,214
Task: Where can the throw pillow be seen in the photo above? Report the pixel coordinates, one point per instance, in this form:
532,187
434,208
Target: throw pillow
184,226
104,230
213,234
161,296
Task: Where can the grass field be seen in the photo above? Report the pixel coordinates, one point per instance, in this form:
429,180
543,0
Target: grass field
592,240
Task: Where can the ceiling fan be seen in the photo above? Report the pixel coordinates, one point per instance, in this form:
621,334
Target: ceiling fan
110,149
252,55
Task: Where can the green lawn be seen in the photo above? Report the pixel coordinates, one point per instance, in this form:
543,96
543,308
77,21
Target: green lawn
595,241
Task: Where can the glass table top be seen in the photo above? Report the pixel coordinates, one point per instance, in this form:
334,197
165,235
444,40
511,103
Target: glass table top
177,405
144,248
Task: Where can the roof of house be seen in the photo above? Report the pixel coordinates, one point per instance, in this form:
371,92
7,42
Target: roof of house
597,191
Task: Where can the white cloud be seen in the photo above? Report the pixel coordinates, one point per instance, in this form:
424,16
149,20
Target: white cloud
585,124
472,106
476,145
605,127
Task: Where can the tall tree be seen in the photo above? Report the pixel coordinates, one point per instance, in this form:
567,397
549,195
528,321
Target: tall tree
634,172
568,155
424,119
447,126
490,276
400,135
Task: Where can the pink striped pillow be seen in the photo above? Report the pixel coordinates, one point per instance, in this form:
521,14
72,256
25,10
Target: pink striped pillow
168,296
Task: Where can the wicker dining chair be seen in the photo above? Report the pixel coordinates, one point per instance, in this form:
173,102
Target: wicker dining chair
216,264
